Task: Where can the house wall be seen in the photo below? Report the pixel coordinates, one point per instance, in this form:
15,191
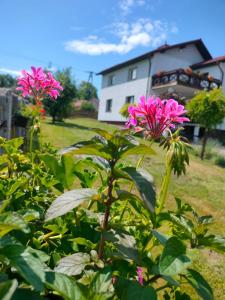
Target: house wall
121,90
165,61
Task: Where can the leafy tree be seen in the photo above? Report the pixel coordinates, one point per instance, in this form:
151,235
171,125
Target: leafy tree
7,80
208,109
60,108
87,91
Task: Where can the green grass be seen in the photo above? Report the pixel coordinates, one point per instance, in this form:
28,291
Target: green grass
203,186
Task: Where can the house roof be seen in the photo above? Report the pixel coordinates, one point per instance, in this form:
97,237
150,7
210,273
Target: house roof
198,43
209,62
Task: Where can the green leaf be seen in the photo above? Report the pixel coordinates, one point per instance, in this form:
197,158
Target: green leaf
144,182
199,284
52,163
7,289
68,167
138,150
16,185
160,237
173,259
125,244
29,214
30,267
93,149
65,286
130,290
68,201
216,243
101,287
12,221
103,133
25,294
73,264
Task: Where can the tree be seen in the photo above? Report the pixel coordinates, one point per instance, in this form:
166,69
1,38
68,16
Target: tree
87,91
7,81
61,108
207,109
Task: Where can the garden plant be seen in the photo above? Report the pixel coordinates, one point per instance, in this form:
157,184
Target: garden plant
87,224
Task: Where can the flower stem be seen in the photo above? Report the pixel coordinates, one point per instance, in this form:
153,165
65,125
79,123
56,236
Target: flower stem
106,217
31,138
164,188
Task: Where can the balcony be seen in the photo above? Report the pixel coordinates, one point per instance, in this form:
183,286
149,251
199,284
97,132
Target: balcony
185,82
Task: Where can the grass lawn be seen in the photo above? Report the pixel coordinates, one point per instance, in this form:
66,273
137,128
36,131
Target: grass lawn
203,186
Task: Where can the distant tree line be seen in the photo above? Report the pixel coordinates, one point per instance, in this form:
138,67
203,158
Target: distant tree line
61,108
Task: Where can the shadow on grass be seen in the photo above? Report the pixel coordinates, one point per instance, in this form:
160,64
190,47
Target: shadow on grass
70,125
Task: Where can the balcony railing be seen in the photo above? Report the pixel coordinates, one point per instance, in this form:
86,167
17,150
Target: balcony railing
187,78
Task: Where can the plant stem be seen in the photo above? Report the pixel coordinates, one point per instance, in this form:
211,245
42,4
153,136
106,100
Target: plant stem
31,138
164,188
106,217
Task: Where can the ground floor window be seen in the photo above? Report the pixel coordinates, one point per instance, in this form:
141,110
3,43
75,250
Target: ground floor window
130,99
108,107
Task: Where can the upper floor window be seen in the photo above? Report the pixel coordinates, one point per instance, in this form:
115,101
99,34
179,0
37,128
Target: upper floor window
132,73
108,107
130,99
111,80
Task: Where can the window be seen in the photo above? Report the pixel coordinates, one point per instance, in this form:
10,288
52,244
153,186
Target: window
108,107
130,99
132,74
111,80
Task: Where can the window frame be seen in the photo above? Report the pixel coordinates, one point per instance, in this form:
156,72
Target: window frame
111,79
108,108
130,73
129,97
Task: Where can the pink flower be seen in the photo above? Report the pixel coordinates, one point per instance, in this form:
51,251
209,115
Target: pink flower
38,84
155,115
140,275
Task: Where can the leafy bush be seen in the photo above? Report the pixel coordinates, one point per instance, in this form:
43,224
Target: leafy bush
111,237
87,106
124,110
100,241
220,161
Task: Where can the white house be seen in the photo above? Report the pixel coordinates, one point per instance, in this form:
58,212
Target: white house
182,69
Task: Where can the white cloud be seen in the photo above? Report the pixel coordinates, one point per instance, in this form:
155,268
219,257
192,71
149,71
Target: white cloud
10,71
143,32
127,5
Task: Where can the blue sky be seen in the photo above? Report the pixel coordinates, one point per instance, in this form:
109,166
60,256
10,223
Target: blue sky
95,34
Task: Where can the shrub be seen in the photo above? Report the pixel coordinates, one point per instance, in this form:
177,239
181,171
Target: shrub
88,106
220,161
111,237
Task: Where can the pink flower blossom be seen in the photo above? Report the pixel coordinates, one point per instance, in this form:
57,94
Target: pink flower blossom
155,115
140,275
38,84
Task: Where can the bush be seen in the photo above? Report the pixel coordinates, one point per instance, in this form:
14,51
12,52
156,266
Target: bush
88,106
220,161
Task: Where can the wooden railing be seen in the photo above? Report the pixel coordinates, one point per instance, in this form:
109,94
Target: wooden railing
187,78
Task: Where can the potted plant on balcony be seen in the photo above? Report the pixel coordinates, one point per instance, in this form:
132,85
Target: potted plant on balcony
210,77
188,71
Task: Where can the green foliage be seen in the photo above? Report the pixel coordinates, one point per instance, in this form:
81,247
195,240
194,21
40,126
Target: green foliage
7,81
124,110
220,161
207,108
88,106
86,243
87,91
61,108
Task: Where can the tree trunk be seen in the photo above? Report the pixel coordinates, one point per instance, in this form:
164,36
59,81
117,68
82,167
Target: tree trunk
53,119
204,141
